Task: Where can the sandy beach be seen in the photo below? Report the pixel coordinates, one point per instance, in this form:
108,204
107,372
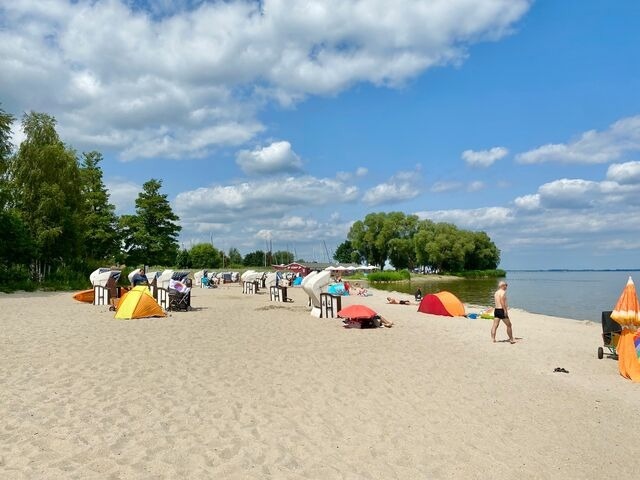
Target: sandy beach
243,388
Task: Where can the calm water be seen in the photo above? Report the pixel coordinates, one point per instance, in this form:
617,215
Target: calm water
577,295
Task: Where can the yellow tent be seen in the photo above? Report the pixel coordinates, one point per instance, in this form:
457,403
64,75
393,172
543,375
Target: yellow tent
138,303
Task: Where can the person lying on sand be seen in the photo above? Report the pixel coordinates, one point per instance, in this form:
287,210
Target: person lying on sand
374,322
396,301
360,290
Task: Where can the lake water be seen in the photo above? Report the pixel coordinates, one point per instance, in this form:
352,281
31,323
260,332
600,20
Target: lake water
578,295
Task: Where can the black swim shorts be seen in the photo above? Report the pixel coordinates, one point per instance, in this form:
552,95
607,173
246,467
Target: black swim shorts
499,313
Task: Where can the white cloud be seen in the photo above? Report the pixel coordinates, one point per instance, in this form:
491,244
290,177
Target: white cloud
440,187
569,193
619,139
476,186
278,157
17,134
358,173
484,158
624,173
474,219
402,186
248,201
123,194
157,80
528,202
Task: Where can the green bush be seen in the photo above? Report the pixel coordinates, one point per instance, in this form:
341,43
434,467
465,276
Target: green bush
66,278
389,276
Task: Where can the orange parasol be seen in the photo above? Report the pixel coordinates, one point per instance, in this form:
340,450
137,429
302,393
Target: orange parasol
627,314
627,310
355,312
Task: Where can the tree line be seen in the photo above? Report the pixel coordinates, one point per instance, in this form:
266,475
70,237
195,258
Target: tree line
56,218
206,256
55,213
408,242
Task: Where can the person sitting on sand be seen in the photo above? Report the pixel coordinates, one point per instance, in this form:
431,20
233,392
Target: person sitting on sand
418,294
396,301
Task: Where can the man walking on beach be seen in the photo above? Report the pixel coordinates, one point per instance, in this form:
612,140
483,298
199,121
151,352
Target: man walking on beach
501,312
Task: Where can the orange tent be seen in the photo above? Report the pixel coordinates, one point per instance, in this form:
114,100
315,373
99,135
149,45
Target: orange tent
442,303
138,303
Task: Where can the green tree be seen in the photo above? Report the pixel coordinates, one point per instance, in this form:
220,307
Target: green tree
16,247
446,248
6,121
100,221
402,253
46,192
484,254
425,232
344,252
150,236
183,260
364,235
282,257
205,255
254,259
372,237
234,257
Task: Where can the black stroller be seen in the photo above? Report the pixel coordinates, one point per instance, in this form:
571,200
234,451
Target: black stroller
610,336
180,292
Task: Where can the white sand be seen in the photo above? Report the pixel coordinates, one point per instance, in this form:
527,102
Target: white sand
242,388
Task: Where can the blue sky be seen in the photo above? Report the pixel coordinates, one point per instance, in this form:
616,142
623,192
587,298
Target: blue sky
287,121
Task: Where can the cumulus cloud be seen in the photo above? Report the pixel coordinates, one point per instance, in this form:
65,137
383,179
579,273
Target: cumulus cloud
528,202
278,157
624,173
248,201
621,138
402,186
484,158
568,193
123,194
155,79
474,219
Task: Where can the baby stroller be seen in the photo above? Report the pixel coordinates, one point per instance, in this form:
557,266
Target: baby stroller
180,293
610,336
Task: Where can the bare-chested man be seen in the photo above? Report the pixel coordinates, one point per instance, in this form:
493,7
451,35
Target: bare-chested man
501,312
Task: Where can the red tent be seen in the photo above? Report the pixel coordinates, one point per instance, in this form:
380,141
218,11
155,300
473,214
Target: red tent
442,303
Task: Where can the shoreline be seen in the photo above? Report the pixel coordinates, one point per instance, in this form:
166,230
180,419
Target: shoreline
245,388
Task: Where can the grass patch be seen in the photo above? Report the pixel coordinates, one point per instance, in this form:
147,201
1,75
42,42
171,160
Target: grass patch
390,276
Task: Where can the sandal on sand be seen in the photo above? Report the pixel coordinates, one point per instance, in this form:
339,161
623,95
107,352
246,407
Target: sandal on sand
558,369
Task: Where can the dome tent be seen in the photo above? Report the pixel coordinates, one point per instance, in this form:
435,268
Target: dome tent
138,303
442,303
